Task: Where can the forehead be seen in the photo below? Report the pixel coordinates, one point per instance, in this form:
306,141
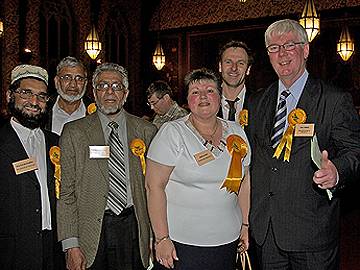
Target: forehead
35,85
109,76
283,38
235,52
77,70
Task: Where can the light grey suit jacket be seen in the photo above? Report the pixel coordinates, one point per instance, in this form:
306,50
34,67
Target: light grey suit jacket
85,184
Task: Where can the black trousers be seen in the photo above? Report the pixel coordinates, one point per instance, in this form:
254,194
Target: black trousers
271,257
200,258
119,243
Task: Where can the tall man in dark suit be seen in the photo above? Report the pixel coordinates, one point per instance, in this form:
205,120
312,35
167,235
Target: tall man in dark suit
71,103
292,218
27,184
235,60
102,214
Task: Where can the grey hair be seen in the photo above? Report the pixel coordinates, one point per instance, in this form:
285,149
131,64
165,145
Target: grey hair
283,27
70,61
114,68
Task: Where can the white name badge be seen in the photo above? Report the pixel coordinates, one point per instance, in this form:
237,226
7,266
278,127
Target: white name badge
25,165
304,130
99,151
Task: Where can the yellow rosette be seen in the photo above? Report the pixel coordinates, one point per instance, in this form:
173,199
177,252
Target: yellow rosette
55,159
296,116
91,108
138,148
243,118
238,149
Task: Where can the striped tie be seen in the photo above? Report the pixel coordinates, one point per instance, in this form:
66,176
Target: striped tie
117,188
280,118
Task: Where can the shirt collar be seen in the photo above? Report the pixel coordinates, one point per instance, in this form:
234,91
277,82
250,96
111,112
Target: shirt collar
297,87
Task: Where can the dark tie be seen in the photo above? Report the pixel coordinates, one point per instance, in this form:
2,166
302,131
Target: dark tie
117,174
232,110
280,118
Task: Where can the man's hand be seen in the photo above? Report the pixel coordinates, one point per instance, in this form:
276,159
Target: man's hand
326,177
75,259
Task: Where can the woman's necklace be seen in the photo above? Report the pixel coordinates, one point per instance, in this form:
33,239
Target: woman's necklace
208,137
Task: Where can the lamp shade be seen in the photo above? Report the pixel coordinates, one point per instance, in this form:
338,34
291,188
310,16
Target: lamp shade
159,57
1,28
242,1
92,44
345,46
310,20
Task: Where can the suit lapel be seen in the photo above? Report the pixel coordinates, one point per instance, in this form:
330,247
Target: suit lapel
95,136
132,133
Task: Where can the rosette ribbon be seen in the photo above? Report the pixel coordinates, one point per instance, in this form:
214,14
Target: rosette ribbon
91,108
138,148
243,118
55,159
296,116
238,149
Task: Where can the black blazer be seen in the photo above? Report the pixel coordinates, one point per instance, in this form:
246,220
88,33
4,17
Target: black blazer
302,217
20,204
87,101
245,106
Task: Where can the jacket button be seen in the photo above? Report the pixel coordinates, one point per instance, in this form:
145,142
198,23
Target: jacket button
38,233
37,210
271,194
99,219
273,169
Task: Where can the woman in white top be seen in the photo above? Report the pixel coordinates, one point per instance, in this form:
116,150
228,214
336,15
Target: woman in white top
197,225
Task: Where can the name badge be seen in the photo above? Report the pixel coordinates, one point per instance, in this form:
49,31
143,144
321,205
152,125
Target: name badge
204,157
304,130
99,151
25,165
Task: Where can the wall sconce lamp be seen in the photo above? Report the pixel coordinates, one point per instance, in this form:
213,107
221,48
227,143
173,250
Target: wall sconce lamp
92,44
345,47
310,20
159,56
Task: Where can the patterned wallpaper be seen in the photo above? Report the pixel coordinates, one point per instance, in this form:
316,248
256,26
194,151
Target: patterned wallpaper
187,13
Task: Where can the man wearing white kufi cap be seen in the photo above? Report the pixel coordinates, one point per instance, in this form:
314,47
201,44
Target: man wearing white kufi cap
27,183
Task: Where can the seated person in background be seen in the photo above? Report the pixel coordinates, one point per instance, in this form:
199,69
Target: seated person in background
159,95
197,225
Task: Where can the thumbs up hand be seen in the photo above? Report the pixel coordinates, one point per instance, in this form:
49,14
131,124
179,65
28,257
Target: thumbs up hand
327,176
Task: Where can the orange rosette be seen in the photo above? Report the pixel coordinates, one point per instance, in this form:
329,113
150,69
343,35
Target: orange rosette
138,148
55,159
238,149
243,118
296,116
91,108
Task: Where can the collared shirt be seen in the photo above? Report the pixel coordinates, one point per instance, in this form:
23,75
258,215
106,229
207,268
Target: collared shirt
33,141
60,117
175,112
238,105
122,134
295,92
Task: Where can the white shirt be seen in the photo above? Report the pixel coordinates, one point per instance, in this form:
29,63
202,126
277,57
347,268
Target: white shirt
238,105
198,211
60,117
33,141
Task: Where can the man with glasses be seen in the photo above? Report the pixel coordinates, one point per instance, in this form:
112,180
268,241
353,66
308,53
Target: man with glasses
70,104
160,99
27,185
294,215
102,214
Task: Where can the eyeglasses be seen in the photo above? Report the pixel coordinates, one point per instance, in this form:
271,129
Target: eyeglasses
290,46
28,94
68,78
104,86
153,104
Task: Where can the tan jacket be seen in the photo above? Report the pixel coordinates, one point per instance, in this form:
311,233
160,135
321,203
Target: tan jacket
85,184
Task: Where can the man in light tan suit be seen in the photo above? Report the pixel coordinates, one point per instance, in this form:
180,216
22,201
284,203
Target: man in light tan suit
96,232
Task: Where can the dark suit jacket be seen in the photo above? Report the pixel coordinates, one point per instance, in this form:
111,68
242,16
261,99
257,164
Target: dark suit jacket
87,101
245,106
85,184
302,217
20,204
